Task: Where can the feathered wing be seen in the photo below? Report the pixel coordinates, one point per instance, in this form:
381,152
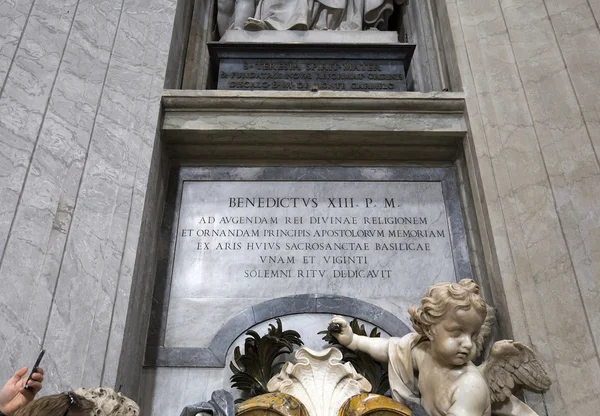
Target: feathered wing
486,329
510,367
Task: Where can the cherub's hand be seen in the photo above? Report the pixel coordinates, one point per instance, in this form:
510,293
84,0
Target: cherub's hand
13,395
345,334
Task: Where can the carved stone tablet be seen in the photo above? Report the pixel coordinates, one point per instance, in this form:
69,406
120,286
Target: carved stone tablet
311,67
240,242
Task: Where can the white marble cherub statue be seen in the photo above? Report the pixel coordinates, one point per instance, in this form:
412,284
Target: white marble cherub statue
451,324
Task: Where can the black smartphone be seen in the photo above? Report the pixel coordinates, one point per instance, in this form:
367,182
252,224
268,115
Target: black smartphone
35,366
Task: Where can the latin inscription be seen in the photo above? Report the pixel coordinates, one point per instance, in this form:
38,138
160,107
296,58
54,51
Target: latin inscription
278,238
305,75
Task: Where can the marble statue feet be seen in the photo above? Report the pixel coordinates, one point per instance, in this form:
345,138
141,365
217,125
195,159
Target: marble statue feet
255,24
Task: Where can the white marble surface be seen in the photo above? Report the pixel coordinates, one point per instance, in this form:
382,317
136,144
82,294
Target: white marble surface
218,263
13,16
56,144
195,321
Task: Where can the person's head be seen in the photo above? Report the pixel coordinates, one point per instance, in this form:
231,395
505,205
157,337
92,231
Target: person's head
451,316
63,404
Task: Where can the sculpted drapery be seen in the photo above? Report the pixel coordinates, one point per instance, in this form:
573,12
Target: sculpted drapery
305,14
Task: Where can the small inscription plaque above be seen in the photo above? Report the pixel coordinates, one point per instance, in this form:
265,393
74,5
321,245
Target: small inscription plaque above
309,67
311,75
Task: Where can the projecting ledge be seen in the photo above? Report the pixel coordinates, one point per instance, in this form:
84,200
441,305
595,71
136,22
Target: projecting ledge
313,126
328,101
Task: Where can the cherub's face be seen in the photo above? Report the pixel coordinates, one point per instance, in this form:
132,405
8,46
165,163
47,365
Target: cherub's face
453,338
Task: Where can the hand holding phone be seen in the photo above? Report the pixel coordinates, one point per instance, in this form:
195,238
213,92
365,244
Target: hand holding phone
16,394
34,368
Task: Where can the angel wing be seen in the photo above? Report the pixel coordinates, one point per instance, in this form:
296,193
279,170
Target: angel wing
486,329
511,366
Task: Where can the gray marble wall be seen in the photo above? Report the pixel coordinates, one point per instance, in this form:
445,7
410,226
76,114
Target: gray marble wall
530,70
80,86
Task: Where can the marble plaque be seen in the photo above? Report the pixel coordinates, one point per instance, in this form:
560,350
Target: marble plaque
311,67
311,75
240,242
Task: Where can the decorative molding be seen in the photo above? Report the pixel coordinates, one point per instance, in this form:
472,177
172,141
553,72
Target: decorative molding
203,127
322,101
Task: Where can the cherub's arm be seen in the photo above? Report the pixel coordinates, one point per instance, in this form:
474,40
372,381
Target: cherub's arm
375,347
471,397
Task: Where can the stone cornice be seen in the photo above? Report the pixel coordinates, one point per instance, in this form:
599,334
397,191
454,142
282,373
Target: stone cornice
347,102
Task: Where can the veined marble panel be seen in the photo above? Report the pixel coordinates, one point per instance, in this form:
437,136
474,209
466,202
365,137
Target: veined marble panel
125,344
511,72
573,174
48,198
13,16
68,113
24,99
37,150
573,160
195,321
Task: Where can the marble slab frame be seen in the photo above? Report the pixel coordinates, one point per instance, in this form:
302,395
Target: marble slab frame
157,355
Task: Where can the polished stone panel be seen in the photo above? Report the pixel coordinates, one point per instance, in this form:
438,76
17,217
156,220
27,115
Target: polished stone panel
267,239
37,149
43,219
526,149
13,16
189,326
574,134
311,67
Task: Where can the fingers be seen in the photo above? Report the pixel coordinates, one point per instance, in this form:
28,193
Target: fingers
38,375
337,319
20,373
33,387
34,384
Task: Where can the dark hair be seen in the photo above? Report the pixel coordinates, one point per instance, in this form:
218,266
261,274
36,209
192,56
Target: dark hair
57,405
